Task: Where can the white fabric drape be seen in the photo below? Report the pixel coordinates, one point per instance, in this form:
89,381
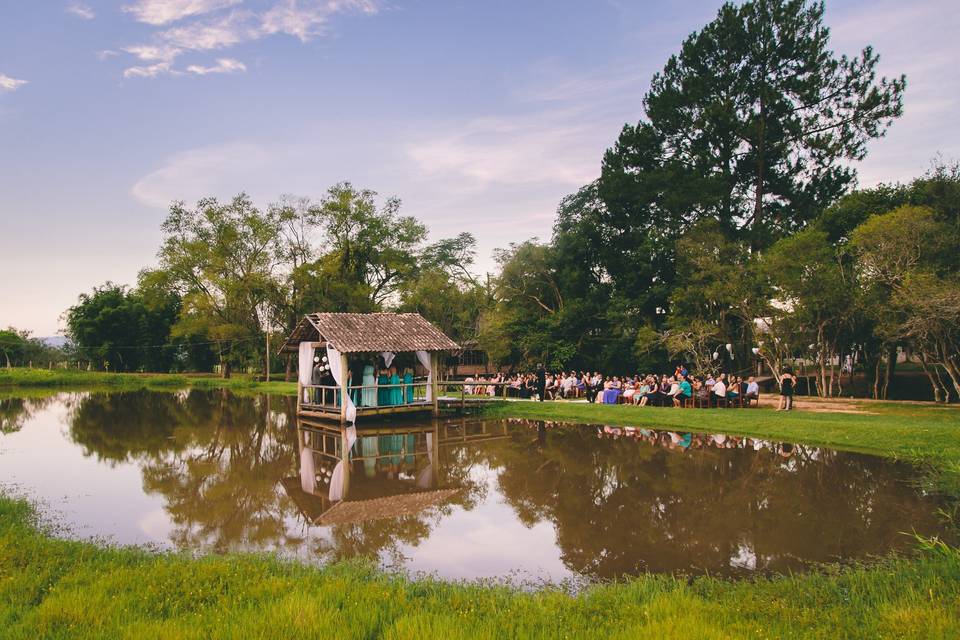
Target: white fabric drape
308,473
424,359
333,357
305,367
336,483
388,357
425,479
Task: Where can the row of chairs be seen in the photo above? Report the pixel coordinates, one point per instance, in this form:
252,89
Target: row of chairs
712,400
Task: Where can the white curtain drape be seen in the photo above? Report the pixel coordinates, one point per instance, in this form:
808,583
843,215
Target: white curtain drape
425,479
308,473
305,367
388,357
333,357
336,483
424,359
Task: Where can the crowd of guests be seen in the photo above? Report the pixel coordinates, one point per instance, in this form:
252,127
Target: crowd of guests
678,390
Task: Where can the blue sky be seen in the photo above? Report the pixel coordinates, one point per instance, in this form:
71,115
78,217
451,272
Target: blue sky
479,115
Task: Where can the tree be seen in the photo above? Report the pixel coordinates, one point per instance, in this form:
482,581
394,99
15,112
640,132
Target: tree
223,259
753,124
114,327
812,284
374,247
13,344
907,259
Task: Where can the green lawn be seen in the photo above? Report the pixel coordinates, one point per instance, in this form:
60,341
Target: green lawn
50,587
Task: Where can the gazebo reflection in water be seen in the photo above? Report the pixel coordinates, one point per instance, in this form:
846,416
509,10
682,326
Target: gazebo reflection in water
388,471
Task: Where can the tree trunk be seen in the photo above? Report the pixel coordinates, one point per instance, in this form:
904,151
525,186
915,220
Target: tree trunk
225,368
288,372
933,381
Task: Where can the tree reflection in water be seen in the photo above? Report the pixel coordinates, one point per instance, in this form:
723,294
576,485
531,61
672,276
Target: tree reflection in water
621,502
629,501
14,412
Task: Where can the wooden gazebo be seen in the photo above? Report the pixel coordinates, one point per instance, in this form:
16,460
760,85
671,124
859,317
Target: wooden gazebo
337,338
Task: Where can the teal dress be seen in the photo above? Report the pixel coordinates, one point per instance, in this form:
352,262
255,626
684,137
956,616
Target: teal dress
408,380
383,394
396,393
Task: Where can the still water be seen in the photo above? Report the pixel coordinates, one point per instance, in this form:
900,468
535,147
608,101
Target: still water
208,471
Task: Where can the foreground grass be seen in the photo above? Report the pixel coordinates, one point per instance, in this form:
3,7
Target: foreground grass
54,588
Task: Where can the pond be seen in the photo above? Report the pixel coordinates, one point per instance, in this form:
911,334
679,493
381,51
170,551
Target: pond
209,471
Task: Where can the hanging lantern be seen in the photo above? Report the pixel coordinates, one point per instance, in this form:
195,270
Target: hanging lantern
715,355
324,358
729,347
755,350
316,360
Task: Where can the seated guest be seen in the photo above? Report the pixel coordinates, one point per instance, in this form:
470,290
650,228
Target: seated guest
753,390
720,389
684,392
641,394
733,389
629,391
703,393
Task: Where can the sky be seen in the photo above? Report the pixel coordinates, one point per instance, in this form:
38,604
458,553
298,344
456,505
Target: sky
479,115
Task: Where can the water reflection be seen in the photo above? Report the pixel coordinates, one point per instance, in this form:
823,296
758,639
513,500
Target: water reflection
465,498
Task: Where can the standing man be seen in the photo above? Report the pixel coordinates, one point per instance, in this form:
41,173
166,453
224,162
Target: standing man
541,382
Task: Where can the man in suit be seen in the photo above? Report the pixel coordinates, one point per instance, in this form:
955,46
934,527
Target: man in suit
541,382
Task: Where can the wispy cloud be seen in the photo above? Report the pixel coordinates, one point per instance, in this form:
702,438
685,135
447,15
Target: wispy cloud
223,65
80,10
161,12
10,84
211,25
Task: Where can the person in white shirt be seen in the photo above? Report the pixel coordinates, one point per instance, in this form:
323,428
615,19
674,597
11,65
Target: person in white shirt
720,389
753,390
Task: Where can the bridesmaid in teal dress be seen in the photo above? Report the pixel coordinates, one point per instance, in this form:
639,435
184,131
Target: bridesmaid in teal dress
408,381
383,394
396,392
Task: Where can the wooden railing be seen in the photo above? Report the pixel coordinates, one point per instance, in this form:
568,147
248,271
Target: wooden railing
329,395
459,390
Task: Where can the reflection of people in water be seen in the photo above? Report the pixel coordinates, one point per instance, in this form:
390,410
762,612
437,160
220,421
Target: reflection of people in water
679,441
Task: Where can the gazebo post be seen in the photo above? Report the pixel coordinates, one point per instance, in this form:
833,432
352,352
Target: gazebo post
434,387
343,388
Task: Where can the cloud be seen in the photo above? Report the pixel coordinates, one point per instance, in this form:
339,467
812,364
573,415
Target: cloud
148,71
80,10
10,84
210,25
161,12
221,170
149,53
218,33
305,20
224,65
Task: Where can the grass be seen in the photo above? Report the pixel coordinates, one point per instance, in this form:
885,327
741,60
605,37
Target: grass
20,378
55,588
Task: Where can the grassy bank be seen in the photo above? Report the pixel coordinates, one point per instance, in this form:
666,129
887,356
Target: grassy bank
75,379
53,588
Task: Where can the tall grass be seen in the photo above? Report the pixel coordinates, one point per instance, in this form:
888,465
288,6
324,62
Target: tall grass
54,588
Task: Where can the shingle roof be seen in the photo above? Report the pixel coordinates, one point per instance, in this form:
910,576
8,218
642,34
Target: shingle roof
355,332
317,509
